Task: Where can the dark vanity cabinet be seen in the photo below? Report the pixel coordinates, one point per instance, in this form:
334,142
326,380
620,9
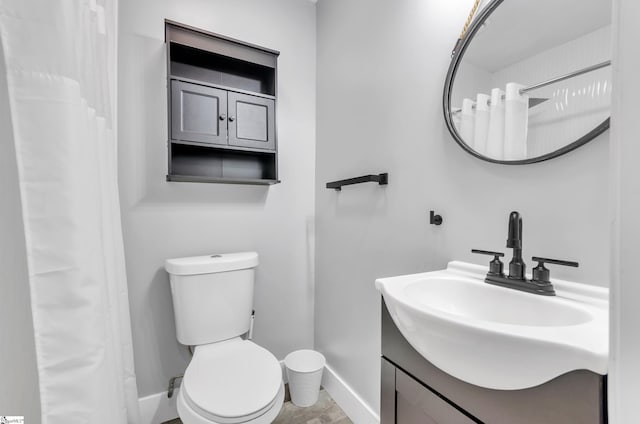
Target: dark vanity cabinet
222,109
414,391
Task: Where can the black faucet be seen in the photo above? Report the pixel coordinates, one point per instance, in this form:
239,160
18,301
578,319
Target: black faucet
517,266
539,284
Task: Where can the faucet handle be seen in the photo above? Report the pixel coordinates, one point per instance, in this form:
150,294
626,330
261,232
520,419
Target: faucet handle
541,273
496,267
487,252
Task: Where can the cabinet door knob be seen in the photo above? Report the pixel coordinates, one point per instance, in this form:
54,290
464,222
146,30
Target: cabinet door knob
232,118
222,117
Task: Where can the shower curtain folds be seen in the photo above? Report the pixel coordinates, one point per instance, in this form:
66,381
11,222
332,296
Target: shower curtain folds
61,66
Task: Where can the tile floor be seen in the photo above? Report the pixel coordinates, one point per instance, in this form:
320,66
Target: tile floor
325,411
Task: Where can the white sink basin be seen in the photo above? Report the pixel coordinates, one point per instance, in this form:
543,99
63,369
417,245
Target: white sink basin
497,337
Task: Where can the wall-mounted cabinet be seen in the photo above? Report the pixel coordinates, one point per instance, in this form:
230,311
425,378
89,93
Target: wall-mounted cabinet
222,109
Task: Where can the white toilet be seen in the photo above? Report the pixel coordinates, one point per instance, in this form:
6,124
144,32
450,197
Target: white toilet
229,379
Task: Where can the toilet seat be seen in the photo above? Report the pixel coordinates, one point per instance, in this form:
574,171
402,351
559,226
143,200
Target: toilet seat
234,381
189,416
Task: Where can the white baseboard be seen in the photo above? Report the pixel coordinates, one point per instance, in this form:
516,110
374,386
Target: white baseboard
351,403
158,408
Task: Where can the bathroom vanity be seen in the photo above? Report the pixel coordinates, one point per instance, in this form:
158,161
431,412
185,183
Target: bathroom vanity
456,349
414,391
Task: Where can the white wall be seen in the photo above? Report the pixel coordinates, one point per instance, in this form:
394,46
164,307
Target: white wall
624,375
19,391
470,80
164,220
381,69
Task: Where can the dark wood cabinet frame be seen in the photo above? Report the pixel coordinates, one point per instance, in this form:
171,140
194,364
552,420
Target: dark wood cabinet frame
210,64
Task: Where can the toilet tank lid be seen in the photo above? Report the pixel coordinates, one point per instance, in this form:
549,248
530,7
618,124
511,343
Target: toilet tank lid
213,263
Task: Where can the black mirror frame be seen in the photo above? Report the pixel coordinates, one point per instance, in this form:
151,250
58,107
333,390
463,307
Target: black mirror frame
456,58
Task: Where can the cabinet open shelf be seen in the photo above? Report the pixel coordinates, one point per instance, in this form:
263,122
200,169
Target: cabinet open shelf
193,179
221,147
220,86
210,164
207,67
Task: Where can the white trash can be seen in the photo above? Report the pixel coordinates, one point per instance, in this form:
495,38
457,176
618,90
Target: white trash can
304,372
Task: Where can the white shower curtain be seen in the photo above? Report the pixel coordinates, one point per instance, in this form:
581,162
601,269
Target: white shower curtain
481,124
516,122
495,133
496,126
467,121
61,66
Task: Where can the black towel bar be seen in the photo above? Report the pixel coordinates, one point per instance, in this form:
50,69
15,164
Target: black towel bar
381,179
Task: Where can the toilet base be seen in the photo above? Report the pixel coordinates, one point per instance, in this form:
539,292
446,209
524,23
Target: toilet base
189,416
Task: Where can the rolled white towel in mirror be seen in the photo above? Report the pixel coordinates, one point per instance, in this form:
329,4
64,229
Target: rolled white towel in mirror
481,127
495,134
516,122
467,121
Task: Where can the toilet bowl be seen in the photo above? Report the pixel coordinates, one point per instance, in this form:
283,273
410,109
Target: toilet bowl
229,382
230,379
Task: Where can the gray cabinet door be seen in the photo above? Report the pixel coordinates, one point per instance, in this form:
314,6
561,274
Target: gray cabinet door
251,121
416,404
198,113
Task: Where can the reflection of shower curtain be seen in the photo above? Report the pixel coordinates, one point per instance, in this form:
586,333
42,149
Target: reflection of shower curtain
516,122
481,125
467,121
61,76
496,126
495,136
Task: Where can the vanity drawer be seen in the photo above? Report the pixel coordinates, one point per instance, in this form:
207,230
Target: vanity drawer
415,404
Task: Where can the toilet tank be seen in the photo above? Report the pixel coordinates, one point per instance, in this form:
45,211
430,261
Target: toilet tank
212,296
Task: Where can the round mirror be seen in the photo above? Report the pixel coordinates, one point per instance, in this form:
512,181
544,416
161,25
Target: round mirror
531,80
